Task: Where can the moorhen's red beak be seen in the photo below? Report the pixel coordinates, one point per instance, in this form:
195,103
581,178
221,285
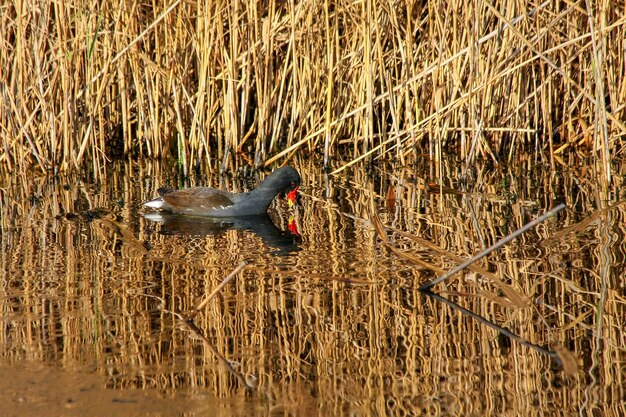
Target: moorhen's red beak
291,196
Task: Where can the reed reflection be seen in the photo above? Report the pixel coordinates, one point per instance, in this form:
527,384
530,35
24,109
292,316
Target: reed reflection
340,324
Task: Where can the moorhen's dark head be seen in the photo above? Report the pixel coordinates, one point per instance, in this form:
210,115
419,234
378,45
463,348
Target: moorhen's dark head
289,180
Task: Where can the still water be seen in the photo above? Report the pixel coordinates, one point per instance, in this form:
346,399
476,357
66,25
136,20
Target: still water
326,318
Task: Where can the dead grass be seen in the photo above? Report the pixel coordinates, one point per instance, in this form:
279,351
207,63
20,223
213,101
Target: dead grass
82,83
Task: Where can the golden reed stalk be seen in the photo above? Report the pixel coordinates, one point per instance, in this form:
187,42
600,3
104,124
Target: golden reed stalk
82,83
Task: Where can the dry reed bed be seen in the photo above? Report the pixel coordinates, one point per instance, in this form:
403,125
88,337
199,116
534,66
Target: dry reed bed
76,293
84,82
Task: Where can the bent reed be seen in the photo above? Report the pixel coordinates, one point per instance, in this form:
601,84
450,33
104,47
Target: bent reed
82,83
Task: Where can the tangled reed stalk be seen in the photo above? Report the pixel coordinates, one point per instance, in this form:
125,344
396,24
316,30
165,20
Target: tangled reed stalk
84,82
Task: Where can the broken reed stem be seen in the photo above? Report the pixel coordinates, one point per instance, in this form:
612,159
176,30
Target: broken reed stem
506,332
207,343
217,289
492,248
488,323
567,359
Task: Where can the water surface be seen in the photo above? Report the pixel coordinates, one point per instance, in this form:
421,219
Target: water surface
326,319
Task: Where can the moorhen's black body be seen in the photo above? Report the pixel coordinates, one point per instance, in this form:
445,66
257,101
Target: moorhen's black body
210,202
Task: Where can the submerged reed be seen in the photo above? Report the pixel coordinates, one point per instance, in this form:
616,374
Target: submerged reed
82,83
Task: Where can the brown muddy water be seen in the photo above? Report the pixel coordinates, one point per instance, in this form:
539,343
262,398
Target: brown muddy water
327,318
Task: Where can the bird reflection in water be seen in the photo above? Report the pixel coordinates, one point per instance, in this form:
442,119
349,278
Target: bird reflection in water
285,242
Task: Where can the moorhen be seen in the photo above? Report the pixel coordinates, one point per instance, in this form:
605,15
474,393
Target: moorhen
205,201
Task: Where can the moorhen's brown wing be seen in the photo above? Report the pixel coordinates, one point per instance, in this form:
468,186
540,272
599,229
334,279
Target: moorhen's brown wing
200,197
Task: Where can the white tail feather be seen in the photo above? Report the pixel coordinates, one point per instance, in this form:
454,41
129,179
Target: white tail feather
156,203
